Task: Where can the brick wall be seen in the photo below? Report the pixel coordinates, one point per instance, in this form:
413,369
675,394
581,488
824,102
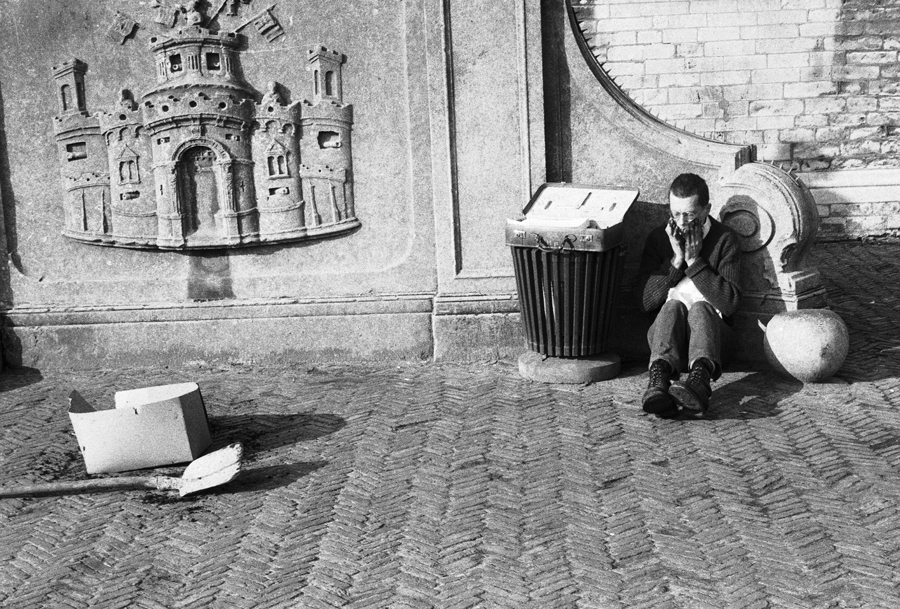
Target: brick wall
815,84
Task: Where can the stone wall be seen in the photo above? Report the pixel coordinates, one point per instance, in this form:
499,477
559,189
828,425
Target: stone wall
814,84
461,110
447,142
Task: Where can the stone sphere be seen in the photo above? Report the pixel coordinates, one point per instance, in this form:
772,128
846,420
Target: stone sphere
808,345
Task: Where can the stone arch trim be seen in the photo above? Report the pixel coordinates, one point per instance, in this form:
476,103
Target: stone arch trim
223,170
222,154
649,128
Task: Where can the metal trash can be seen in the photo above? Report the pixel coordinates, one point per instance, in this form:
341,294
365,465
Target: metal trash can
568,265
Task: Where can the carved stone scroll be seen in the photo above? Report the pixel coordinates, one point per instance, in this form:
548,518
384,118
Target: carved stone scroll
776,217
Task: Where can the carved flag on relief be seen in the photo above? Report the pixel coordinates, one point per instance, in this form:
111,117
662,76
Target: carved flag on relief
121,28
268,26
163,13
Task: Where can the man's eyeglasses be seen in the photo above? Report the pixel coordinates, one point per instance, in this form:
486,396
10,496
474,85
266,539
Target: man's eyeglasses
688,217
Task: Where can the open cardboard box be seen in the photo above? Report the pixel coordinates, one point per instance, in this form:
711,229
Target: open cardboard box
149,427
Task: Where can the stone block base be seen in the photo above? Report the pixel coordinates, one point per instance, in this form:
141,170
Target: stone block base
402,327
264,333
593,368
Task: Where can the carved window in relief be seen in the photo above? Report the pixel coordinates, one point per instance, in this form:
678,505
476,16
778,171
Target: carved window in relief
66,97
175,63
213,62
129,172
76,151
278,165
329,83
329,139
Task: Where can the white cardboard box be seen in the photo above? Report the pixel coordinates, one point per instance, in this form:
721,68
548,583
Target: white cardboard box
149,427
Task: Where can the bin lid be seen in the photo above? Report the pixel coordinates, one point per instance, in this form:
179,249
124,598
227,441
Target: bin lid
558,205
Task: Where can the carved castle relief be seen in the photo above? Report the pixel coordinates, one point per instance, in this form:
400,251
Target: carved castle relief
198,163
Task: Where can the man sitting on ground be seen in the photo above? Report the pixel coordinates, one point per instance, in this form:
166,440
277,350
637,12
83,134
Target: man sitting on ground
690,281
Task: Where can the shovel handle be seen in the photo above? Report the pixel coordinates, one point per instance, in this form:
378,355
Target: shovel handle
90,486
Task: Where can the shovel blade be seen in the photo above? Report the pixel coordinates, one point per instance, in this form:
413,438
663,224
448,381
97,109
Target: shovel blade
212,469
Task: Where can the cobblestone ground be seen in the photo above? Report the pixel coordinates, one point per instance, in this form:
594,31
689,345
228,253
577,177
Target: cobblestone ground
391,485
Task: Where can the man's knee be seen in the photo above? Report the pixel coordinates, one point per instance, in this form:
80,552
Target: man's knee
674,308
672,317
702,310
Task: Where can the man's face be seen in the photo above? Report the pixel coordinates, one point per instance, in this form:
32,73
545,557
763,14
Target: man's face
686,209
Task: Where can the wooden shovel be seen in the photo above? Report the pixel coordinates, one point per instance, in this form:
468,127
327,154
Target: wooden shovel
214,469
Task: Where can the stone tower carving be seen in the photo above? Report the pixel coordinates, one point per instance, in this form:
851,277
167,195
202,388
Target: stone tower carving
199,163
325,150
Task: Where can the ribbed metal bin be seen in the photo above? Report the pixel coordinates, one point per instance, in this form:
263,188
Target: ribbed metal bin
566,299
567,256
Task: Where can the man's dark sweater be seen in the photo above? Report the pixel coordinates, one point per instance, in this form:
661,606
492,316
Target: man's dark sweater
716,272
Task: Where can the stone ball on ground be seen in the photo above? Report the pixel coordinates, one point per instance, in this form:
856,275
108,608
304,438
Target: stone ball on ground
809,345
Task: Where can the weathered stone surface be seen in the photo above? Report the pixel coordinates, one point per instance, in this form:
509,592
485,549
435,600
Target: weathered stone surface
776,219
449,140
809,346
588,369
446,145
393,253
276,334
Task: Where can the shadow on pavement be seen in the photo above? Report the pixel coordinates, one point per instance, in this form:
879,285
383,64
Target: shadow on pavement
250,480
263,432
271,477
860,280
18,377
632,369
755,396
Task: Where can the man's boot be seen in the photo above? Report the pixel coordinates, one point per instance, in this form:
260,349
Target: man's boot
656,398
693,393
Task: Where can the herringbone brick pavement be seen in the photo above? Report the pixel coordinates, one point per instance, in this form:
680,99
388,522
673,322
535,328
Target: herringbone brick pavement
421,485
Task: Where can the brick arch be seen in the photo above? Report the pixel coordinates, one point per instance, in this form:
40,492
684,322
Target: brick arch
810,82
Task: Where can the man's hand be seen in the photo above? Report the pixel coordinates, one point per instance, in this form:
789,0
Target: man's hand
676,239
693,242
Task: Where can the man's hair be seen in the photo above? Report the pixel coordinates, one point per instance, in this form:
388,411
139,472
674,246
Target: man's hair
690,184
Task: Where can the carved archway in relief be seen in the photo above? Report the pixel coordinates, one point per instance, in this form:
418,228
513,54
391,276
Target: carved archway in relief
203,176
198,192
221,152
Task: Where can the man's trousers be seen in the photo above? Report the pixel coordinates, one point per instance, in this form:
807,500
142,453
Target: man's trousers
681,336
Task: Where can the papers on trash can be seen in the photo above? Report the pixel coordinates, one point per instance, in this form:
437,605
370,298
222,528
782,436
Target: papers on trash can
600,207
561,216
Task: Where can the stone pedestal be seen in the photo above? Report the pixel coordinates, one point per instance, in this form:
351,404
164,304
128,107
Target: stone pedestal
543,369
776,220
